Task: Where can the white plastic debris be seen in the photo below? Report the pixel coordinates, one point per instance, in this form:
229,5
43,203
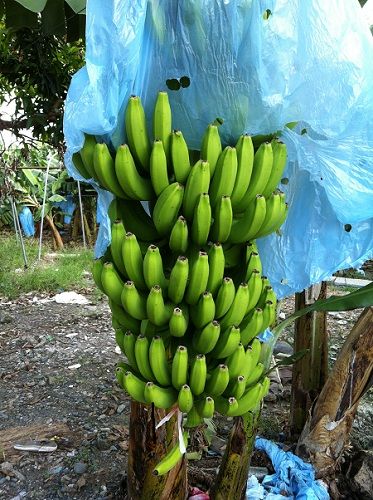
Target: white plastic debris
70,298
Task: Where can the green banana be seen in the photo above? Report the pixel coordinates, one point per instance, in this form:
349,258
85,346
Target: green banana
204,311
111,282
133,302
199,274
158,167
134,386
198,373
119,335
263,160
255,289
79,165
194,419
227,343
197,183
232,255
167,207
251,246
124,319
178,279
180,156
266,383
136,220
253,262
105,171
236,362
223,219
255,374
133,260
132,183
158,361
226,406
222,182
201,220
162,397
142,357
178,323
153,268
236,387
278,167
273,215
211,147
225,297
179,236
248,401
129,340
162,121
245,161
206,407
157,311
137,136
118,233
246,228
205,340
251,325
171,459
218,382
86,154
279,219
237,311
256,349
263,292
269,314
216,259
119,372
185,399
179,372
97,267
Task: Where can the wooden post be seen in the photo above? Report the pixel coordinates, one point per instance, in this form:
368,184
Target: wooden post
147,446
309,372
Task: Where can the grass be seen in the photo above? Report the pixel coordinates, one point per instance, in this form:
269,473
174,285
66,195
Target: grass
49,275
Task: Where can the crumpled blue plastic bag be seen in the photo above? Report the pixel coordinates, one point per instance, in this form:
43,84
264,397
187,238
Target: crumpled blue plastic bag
67,206
26,220
308,61
292,476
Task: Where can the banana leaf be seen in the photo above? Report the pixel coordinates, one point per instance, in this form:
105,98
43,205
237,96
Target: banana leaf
362,297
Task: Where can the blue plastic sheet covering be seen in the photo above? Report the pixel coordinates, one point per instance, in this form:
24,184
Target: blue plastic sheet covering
308,61
293,478
26,220
67,206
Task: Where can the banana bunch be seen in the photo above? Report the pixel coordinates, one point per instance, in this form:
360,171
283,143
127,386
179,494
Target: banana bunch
183,276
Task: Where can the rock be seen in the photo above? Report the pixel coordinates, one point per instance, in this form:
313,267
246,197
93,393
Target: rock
5,319
283,348
56,470
258,472
80,468
121,408
102,444
363,476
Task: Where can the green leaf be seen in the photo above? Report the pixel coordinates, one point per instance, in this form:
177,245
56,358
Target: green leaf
17,16
362,297
290,360
55,198
77,5
33,5
53,18
31,177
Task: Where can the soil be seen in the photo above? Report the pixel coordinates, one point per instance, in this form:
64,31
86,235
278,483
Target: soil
57,384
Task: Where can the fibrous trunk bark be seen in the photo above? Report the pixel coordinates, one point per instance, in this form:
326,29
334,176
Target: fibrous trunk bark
326,433
309,372
56,234
234,469
147,446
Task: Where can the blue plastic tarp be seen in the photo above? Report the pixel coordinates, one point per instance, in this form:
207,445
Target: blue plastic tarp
26,220
309,62
67,206
293,478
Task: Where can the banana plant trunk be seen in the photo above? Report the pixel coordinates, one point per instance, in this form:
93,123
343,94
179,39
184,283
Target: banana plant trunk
55,232
327,430
231,481
147,445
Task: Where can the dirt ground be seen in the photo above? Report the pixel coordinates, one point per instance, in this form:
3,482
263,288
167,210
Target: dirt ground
57,382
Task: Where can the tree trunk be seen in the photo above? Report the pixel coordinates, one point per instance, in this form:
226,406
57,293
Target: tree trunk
326,433
147,446
309,372
234,469
56,234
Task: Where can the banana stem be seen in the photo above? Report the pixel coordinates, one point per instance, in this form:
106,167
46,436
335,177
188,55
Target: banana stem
234,469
